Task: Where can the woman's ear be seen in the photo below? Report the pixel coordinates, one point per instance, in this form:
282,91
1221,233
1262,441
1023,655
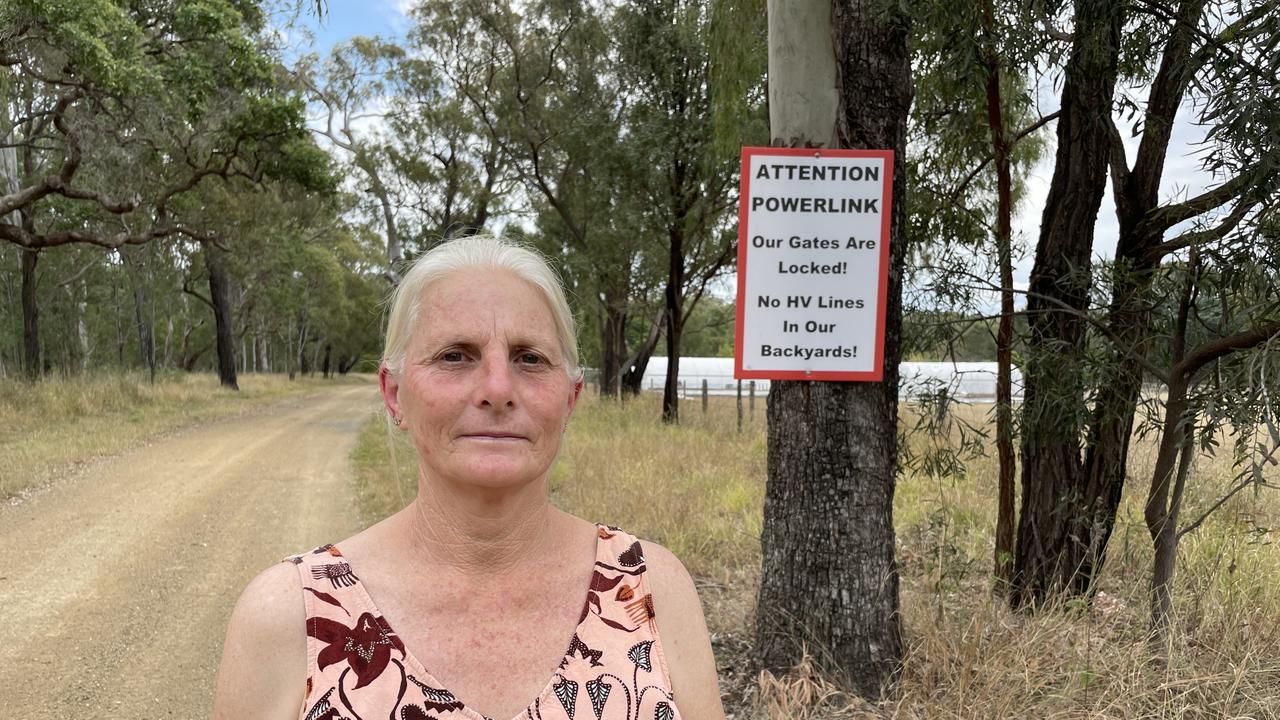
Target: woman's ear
390,386
573,397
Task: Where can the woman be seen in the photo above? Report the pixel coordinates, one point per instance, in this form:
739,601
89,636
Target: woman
479,600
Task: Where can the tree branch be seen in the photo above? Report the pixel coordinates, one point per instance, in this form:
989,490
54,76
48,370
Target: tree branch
78,273
186,288
33,241
1223,500
1062,306
1013,141
1119,169
1163,218
1210,351
1196,238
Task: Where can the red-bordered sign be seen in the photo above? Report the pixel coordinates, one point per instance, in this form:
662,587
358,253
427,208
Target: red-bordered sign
813,263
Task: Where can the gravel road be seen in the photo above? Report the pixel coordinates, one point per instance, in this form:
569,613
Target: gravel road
117,581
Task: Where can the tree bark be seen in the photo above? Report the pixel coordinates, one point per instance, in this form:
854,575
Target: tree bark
613,343
146,342
30,315
830,581
674,297
1164,501
1055,536
1002,561
1128,317
220,295
633,372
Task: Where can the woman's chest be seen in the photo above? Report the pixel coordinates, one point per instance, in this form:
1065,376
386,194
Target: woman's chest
496,651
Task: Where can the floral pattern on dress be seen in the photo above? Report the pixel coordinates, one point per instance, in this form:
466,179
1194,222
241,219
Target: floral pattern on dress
360,669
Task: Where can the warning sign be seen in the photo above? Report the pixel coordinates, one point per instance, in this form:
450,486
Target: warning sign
813,261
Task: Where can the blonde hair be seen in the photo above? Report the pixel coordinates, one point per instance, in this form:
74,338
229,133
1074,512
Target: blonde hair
476,251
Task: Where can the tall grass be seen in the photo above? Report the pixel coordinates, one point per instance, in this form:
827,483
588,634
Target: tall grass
698,489
51,425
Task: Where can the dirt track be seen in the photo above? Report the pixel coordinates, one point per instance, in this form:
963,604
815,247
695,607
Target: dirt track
117,582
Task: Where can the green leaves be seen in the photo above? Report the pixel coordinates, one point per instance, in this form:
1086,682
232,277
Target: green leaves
96,39
142,103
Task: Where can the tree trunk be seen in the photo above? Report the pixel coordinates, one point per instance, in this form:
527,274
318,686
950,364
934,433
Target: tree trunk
345,365
146,342
379,189
671,384
613,343
1055,536
303,367
328,351
168,340
633,372
30,315
1128,317
220,295
288,350
1164,501
830,581
120,333
264,360
1003,555
674,297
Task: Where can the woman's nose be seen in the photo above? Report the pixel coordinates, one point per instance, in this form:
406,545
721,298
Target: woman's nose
497,385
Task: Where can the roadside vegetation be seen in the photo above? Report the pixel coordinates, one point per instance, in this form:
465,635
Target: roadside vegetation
698,489
49,427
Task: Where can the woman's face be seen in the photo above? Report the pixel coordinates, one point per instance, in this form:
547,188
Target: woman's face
483,391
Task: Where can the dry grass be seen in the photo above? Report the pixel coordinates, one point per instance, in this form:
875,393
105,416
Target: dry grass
48,426
699,488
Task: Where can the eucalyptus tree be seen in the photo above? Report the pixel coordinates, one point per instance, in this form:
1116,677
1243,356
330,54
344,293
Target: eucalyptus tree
448,139
687,181
839,76
118,110
351,87
1218,59
974,140
1215,351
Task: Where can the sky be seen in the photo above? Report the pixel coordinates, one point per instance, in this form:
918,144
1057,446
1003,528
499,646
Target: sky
344,19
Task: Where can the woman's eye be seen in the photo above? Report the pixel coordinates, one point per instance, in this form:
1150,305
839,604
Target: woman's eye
531,359
452,356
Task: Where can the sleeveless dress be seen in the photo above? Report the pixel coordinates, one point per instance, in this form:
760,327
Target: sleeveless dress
359,669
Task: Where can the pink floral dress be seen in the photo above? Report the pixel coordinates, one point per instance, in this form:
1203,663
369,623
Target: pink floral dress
359,669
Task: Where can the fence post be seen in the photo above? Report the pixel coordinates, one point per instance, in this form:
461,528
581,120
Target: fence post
683,394
704,396
739,406
752,401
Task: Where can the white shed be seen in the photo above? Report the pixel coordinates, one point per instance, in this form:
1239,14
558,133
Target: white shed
971,381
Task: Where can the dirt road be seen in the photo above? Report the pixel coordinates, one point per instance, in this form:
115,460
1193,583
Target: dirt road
116,583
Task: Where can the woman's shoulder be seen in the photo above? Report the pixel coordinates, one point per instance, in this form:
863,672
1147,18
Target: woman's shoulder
669,579
682,629
264,653
271,608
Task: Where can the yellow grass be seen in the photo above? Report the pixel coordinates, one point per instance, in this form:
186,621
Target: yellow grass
698,489
48,427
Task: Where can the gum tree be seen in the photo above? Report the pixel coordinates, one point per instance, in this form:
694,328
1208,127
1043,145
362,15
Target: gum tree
839,76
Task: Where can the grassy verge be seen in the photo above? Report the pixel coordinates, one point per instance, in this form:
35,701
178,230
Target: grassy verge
699,489
46,427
